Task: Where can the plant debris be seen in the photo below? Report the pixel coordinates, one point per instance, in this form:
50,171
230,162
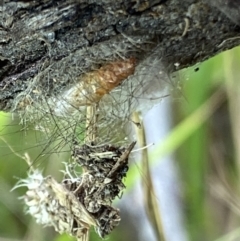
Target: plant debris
80,201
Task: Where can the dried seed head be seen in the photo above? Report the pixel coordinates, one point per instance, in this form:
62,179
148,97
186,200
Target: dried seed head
105,166
53,205
78,203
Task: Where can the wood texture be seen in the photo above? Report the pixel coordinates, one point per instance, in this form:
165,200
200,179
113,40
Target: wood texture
45,45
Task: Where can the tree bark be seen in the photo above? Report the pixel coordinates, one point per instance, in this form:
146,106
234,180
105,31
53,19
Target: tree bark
45,45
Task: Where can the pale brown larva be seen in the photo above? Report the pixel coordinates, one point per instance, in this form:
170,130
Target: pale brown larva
110,76
94,85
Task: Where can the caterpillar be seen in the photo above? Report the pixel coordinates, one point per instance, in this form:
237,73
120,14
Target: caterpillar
92,86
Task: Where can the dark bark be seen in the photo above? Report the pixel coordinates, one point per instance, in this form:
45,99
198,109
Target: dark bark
45,45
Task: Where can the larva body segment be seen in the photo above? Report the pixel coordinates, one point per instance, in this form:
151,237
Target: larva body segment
111,75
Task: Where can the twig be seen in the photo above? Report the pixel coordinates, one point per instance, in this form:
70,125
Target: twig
91,124
26,157
151,204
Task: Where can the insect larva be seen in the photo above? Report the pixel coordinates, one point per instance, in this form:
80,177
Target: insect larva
111,75
94,85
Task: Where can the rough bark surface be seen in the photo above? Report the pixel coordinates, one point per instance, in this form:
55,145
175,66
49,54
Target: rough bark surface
45,45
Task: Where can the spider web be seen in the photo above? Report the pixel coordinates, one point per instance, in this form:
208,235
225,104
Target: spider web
42,132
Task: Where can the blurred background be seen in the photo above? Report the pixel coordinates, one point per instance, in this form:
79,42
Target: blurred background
193,189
